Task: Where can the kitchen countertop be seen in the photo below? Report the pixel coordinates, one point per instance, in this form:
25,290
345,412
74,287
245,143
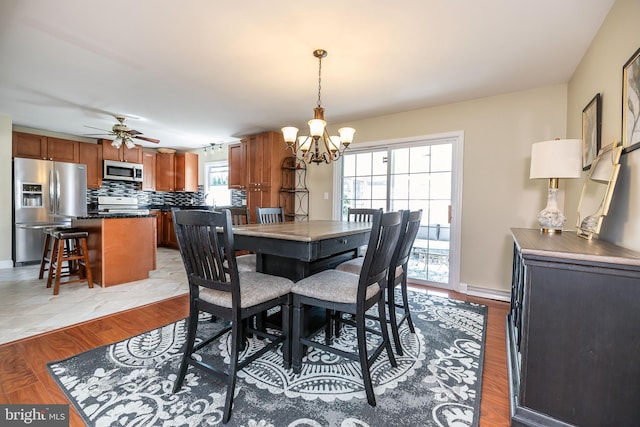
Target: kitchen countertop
114,215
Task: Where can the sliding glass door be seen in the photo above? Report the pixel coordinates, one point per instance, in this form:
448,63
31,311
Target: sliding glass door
412,176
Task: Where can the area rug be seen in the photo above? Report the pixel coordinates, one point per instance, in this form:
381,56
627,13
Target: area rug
437,381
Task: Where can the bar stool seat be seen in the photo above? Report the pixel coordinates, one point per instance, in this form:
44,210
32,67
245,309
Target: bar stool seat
48,247
76,254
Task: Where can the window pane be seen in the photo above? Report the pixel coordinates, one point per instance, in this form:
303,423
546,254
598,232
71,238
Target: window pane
400,161
441,185
441,157
349,165
363,164
379,166
420,159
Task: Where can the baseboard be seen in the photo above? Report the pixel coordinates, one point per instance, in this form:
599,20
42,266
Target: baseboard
495,294
6,263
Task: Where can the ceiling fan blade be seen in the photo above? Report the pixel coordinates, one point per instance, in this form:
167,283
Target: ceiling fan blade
133,132
91,127
144,138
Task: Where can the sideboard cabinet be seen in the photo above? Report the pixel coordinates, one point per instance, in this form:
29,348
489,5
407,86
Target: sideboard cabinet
573,332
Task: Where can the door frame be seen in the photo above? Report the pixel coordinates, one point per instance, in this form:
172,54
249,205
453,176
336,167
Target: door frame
456,138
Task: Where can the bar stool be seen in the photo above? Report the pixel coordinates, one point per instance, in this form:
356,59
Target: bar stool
46,250
77,255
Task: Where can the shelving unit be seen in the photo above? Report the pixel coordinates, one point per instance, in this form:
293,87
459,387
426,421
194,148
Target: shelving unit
294,195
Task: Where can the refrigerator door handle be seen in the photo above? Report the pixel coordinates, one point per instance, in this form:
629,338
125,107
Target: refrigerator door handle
50,208
57,191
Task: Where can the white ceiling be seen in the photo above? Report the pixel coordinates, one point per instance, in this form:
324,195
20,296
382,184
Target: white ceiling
195,72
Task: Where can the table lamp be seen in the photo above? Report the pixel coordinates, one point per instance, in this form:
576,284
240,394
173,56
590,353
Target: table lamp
552,160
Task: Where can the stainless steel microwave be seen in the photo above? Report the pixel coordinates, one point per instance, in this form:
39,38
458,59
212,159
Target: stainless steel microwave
122,171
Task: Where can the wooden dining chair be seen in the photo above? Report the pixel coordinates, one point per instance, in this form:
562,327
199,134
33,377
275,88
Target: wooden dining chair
347,293
269,215
360,214
206,243
398,272
240,216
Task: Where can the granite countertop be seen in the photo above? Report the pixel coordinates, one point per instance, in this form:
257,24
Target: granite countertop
113,215
169,207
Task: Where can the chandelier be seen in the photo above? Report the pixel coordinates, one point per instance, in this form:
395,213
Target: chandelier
318,147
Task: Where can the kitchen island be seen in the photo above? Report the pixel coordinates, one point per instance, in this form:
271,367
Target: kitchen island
122,247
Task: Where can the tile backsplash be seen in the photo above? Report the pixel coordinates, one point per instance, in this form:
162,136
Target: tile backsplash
145,198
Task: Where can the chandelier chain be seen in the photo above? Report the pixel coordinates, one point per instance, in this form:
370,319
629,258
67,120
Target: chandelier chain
319,79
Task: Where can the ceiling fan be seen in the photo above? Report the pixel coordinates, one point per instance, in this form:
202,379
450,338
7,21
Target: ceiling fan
123,133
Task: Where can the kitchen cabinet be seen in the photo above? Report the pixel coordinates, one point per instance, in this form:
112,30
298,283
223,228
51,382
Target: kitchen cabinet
28,145
159,226
91,155
148,171
177,172
256,161
121,154
166,234
41,147
572,332
165,172
122,250
237,165
186,172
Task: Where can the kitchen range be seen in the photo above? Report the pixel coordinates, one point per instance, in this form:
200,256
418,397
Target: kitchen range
45,194
110,205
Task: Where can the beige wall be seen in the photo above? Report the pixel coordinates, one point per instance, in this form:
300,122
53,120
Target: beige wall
601,71
497,192
6,225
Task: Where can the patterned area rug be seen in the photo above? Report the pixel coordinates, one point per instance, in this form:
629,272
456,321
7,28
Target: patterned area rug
436,383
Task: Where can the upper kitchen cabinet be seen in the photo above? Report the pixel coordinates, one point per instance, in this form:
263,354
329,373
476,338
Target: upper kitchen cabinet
177,172
41,147
121,154
237,165
165,172
186,172
255,162
148,171
91,155
265,152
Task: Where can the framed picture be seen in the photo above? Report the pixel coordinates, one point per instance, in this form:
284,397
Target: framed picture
631,103
591,131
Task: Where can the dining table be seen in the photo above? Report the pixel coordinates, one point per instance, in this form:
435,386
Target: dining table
301,248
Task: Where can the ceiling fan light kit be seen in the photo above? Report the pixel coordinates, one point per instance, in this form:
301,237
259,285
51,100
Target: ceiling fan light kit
308,148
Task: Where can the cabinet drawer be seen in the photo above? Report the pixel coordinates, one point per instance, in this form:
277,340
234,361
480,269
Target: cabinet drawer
341,244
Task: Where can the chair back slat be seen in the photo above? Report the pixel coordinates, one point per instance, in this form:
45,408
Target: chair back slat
269,215
385,232
205,239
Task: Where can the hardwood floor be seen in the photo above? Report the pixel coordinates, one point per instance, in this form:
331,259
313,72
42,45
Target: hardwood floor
24,377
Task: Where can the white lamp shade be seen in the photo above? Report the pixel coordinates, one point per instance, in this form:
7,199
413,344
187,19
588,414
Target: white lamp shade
559,158
346,135
334,143
316,127
289,133
304,143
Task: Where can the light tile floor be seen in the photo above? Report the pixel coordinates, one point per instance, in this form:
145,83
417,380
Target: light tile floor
28,308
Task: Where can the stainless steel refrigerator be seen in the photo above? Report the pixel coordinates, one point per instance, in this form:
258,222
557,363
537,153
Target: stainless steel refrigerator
45,194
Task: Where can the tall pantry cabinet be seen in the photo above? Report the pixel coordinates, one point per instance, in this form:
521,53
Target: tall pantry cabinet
254,166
